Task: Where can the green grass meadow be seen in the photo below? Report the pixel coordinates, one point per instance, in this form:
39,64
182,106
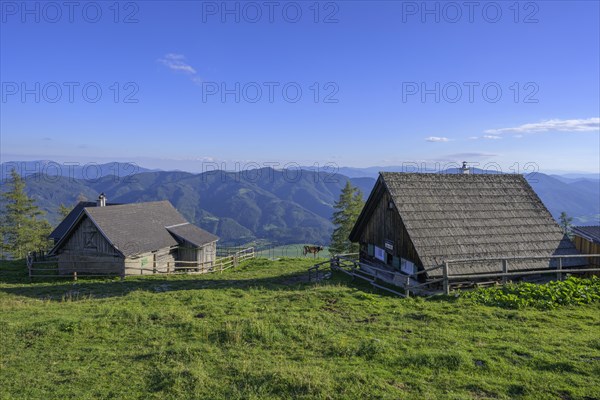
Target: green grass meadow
291,251
260,331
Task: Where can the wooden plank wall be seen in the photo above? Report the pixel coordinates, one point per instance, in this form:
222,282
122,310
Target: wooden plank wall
87,239
147,263
187,252
87,251
208,253
587,247
387,224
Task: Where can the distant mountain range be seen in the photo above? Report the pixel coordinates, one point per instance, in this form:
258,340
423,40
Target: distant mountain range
278,206
88,171
373,172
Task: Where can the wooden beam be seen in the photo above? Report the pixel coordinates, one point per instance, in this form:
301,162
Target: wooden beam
446,278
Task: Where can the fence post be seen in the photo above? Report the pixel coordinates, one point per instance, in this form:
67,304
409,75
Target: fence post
154,266
446,281
504,270
407,287
559,275
168,267
74,275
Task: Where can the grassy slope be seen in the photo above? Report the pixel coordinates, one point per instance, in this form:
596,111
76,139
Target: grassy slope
256,332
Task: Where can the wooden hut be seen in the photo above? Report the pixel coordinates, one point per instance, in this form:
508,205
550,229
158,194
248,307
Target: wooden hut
416,221
587,241
131,239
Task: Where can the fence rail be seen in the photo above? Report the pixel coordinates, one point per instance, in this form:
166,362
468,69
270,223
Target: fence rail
376,275
504,272
41,269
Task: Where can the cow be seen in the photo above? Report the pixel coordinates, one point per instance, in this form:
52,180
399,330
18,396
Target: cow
314,250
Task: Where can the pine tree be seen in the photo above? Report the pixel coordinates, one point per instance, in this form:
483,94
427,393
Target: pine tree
22,231
64,210
565,223
347,210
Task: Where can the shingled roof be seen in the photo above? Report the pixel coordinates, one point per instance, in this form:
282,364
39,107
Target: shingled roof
467,216
191,233
591,233
141,227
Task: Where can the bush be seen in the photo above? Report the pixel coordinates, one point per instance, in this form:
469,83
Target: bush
572,291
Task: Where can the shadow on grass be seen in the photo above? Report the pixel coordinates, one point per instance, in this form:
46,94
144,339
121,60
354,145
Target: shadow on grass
60,288
13,272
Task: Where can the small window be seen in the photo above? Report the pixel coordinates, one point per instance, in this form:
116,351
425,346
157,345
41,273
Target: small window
380,254
407,267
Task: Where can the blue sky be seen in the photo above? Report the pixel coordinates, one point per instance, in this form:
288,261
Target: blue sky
394,83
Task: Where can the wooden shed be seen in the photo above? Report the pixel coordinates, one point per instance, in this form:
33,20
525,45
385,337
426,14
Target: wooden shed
587,241
417,221
131,239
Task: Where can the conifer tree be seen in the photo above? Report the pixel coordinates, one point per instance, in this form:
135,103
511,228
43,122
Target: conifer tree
64,210
347,210
565,223
22,230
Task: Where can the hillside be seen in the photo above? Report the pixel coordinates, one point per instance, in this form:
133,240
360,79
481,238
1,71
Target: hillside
580,199
258,332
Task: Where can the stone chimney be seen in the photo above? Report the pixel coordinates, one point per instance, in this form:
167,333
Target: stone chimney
101,202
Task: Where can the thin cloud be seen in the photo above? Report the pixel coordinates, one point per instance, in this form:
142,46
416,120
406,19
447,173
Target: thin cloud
488,137
557,125
176,62
437,139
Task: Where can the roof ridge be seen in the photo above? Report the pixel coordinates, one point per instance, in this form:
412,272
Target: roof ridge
173,226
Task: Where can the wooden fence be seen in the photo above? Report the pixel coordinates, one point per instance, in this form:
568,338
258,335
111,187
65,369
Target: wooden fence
403,284
49,268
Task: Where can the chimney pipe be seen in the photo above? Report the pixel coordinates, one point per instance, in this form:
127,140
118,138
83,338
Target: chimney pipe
465,169
101,202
